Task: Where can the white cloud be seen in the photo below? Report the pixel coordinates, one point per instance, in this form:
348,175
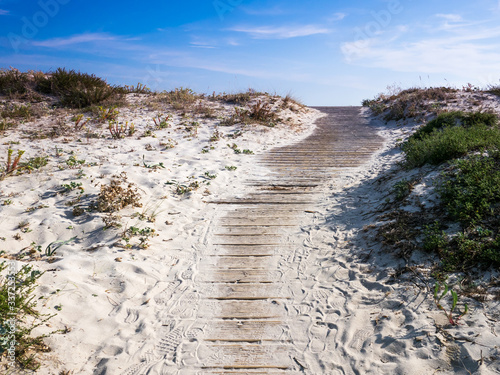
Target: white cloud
201,45
450,17
285,32
4,12
468,53
75,39
337,17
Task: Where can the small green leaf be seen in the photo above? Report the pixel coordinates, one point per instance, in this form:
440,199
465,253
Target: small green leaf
455,300
445,291
436,290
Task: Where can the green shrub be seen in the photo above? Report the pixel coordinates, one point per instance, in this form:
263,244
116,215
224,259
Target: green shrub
20,307
448,143
470,249
434,238
18,111
456,118
180,98
471,188
13,82
494,90
401,189
78,90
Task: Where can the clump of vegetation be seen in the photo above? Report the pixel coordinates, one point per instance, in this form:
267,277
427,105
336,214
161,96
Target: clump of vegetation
438,296
113,197
78,90
409,103
103,114
13,82
451,135
15,111
161,121
143,234
12,164
402,189
262,112
469,192
120,130
4,124
137,89
19,316
494,89
180,98
240,98
37,162
471,189
455,118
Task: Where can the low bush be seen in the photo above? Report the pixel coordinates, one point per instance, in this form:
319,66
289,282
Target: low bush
494,90
13,82
471,188
448,143
17,112
19,316
113,197
180,98
409,103
466,119
79,90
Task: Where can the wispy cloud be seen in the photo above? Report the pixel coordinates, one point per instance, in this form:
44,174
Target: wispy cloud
337,17
75,39
201,45
285,32
4,12
466,53
450,17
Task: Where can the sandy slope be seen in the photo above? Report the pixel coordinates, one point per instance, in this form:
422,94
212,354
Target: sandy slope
99,289
359,320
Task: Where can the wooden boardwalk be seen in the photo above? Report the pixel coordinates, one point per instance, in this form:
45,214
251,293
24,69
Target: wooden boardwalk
244,296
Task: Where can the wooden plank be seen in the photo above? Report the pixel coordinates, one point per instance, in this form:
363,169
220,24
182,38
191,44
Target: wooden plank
257,221
241,309
245,330
245,291
248,240
250,262
250,372
262,202
247,356
238,276
250,230
246,250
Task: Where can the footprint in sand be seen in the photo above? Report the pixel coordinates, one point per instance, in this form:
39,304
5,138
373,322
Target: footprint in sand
359,338
132,316
317,339
169,343
164,297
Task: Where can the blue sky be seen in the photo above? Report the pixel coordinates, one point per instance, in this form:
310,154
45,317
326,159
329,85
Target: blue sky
322,52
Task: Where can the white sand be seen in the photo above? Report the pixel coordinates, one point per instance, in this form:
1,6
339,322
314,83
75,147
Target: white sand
357,319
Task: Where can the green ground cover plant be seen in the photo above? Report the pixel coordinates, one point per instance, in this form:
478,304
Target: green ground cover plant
451,135
22,307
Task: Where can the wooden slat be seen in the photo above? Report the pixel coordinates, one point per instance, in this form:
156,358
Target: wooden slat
236,309
239,276
245,330
248,230
250,262
248,240
245,291
247,356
